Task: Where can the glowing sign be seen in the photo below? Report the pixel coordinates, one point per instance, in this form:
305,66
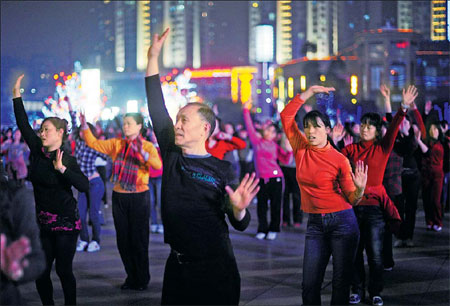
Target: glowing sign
264,43
354,85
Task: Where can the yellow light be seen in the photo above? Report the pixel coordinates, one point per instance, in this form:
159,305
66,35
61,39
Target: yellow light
354,85
303,83
255,4
354,101
210,73
55,76
290,87
275,92
281,90
246,86
322,78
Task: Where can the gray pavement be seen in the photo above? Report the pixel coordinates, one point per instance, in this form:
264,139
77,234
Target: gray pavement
271,271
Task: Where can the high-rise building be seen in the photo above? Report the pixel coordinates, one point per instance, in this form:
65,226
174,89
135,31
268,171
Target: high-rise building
321,16
405,14
421,20
439,20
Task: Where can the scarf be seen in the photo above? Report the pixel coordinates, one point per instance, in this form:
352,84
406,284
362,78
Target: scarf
125,167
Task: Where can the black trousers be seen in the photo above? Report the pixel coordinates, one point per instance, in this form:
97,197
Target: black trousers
291,187
58,247
271,191
206,282
131,219
102,171
407,210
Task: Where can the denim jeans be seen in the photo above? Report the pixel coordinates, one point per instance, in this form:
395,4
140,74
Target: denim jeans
154,185
371,227
96,189
329,234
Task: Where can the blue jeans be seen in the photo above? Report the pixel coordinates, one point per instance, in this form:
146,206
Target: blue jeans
371,226
329,234
96,189
154,184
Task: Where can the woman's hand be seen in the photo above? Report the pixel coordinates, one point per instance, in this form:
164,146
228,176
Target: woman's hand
16,89
385,91
314,90
360,176
337,133
241,197
83,122
409,95
348,140
57,163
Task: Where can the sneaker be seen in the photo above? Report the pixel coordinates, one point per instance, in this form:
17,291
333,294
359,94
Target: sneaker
399,243
260,236
93,246
154,228
81,246
354,298
271,236
377,301
410,243
160,229
388,269
437,228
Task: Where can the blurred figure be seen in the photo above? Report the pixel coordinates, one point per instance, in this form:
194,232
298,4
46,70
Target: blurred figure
21,255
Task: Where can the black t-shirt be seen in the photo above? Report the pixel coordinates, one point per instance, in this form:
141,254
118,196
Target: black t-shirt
193,197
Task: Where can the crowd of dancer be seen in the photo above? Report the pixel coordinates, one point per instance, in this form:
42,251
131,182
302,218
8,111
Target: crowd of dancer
358,183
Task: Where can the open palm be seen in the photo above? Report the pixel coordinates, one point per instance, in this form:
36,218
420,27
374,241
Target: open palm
244,194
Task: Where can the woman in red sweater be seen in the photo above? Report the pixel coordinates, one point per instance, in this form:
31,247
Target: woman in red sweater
328,189
374,150
432,173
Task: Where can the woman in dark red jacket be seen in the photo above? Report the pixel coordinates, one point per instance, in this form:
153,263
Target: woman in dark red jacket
432,173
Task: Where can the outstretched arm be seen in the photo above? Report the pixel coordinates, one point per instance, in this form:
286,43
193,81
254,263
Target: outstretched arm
162,124
296,138
30,137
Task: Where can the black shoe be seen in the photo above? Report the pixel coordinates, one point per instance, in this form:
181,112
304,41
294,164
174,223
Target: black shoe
126,286
140,288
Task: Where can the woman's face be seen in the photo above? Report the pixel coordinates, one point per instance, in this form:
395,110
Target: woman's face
368,132
269,133
434,132
17,135
130,128
51,137
316,135
405,126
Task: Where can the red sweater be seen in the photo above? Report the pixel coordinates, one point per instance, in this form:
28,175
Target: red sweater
224,146
323,174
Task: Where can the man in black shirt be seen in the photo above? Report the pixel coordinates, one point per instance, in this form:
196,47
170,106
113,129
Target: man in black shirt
196,195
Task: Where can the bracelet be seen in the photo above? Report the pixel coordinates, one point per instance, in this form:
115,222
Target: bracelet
404,106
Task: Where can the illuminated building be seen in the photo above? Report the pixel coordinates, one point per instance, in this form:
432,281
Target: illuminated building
439,20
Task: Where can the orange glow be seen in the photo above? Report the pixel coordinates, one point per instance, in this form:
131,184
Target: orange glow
61,73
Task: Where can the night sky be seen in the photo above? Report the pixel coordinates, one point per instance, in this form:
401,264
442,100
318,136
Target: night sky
47,27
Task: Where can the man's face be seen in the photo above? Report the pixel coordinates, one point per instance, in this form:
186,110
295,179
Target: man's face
190,129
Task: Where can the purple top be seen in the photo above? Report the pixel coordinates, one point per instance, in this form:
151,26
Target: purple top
267,152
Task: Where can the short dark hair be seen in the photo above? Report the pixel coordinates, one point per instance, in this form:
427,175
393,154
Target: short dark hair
207,114
58,123
312,116
375,120
137,117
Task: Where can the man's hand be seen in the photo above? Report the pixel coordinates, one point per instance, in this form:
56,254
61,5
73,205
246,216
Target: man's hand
16,89
240,198
157,43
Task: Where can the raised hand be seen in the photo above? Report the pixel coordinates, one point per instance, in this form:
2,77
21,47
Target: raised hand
409,95
337,133
223,136
360,175
348,140
428,107
12,260
314,90
57,163
83,122
241,197
157,43
385,91
16,88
